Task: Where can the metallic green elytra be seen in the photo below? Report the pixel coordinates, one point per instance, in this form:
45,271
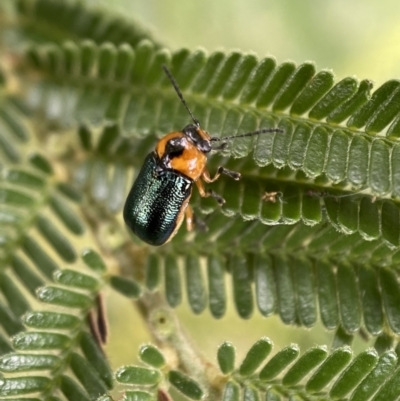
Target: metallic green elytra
153,208
159,198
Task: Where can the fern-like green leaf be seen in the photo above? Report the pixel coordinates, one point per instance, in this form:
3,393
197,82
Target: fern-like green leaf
309,166
63,334
311,231
48,20
318,375
314,375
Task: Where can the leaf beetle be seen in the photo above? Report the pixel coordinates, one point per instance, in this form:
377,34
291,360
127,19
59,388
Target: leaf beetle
159,198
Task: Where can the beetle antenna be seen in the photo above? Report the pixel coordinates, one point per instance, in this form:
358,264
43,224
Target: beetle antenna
179,93
258,132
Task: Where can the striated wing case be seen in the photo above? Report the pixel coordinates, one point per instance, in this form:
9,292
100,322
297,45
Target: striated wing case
156,202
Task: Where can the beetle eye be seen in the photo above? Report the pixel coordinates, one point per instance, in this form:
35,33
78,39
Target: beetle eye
204,146
191,131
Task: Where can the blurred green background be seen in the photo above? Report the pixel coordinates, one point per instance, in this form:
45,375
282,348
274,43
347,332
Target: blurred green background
359,37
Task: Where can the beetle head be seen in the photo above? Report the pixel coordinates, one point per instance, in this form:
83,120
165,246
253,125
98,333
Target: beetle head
198,137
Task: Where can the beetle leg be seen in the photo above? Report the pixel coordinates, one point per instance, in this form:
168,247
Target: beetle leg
221,170
189,218
206,193
192,221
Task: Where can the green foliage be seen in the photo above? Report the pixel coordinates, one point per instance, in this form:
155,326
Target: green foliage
314,375
316,153
48,20
311,231
59,337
